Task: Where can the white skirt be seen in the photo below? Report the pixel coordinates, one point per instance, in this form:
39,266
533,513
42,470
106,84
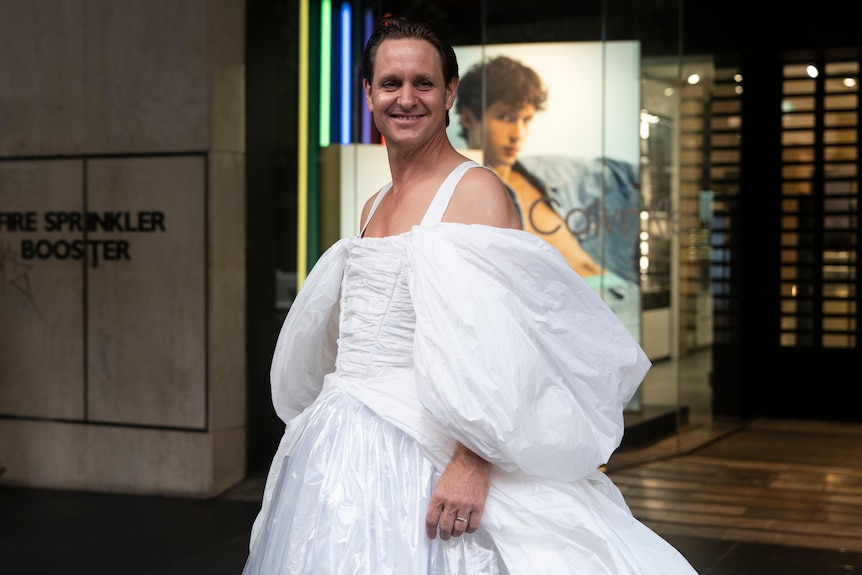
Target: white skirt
351,499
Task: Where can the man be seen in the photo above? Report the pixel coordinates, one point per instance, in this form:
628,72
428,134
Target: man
449,385
587,209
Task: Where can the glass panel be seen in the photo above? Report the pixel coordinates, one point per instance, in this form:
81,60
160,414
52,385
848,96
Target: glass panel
840,239
839,290
837,324
798,138
692,123
789,256
835,68
726,123
839,136
838,341
691,156
838,85
797,104
841,102
727,90
722,140
680,130
690,173
724,173
834,153
797,120
840,204
838,187
792,70
840,119
797,154
789,223
798,172
726,157
692,108
837,307
838,222
725,107
843,256
796,340
799,86
794,189
839,170
788,273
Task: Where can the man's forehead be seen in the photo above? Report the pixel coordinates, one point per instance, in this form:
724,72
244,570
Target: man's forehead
405,47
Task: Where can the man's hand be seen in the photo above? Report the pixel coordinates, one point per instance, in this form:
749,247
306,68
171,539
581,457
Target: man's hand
459,497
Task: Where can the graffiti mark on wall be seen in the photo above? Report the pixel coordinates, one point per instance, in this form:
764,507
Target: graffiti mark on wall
15,276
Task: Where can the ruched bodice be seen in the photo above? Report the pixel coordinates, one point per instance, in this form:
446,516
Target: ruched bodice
377,318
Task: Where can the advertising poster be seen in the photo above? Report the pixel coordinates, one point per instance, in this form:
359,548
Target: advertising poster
559,122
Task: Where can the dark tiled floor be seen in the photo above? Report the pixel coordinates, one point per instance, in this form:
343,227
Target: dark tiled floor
59,532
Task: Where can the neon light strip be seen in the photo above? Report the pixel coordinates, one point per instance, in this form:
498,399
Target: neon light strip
366,115
325,70
302,148
346,69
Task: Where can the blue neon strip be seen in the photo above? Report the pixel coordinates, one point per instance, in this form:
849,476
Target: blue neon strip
366,115
347,82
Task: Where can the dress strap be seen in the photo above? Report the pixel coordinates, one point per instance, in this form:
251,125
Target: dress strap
441,200
376,203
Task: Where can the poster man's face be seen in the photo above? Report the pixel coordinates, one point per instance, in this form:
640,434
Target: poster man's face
504,128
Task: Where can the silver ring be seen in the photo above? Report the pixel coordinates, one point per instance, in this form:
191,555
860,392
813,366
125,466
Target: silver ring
461,519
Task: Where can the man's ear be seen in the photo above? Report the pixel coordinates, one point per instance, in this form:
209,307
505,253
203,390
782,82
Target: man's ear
467,118
451,93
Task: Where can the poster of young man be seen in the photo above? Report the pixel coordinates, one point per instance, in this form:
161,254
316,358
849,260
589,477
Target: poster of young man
559,123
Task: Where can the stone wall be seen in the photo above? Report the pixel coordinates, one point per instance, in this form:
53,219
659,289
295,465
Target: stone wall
122,230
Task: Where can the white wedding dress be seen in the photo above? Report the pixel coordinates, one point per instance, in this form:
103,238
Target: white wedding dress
398,347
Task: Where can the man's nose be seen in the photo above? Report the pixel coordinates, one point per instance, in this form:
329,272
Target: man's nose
407,95
518,131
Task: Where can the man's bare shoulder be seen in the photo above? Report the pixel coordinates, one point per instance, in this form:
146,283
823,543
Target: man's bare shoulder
366,209
481,198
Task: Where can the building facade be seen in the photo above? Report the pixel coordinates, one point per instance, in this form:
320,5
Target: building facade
170,171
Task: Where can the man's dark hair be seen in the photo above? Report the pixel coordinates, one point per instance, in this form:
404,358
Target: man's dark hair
505,80
405,28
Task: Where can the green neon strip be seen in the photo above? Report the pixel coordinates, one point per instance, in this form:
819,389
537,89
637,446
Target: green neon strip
325,69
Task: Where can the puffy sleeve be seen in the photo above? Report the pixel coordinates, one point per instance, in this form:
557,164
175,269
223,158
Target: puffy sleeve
307,343
515,354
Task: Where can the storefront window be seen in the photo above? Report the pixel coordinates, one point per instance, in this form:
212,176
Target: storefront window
589,113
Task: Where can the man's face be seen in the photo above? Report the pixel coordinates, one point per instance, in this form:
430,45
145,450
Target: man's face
408,96
504,129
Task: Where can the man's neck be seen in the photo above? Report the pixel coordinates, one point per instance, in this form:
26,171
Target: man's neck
503,170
